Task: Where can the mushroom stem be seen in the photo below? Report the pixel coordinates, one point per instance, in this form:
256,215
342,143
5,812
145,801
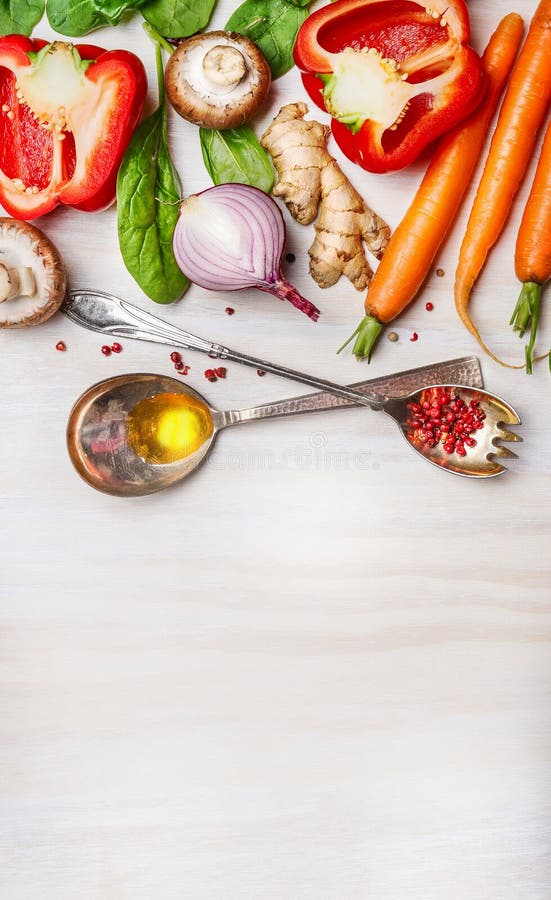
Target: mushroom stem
16,282
224,66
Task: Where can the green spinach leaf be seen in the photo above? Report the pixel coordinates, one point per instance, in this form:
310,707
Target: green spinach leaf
235,154
76,17
273,25
148,191
20,16
177,18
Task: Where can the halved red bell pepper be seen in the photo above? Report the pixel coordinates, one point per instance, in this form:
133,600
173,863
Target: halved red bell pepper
67,113
393,74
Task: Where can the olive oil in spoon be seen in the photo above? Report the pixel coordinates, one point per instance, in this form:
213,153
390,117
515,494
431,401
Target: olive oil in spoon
168,427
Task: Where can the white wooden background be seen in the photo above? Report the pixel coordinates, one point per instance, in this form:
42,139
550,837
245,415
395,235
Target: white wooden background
287,679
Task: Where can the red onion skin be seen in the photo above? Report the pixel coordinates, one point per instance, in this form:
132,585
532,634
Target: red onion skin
213,269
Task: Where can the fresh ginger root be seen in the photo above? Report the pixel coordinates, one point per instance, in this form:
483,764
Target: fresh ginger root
309,178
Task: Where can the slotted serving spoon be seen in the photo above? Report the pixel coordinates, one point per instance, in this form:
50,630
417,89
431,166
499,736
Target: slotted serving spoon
110,315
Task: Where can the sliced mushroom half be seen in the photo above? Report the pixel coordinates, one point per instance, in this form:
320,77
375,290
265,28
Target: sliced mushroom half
218,79
32,275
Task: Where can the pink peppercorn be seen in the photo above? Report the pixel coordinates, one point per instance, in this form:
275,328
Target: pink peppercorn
445,420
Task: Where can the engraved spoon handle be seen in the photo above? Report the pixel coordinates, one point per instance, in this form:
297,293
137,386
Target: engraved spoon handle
99,311
103,312
110,315
464,370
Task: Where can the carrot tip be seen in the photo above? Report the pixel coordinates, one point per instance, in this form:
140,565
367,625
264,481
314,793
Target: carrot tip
366,335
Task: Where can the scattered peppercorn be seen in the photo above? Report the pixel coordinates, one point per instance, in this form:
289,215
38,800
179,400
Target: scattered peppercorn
290,257
392,336
429,306
210,375
260,372
106,350
220,372
440,273
179,363
116,347
61,346
230,310
414,336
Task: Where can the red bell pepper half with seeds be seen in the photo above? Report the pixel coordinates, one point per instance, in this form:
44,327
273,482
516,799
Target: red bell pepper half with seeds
393,74
67,114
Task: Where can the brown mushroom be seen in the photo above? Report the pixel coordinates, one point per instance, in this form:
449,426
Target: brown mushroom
32,275
218,79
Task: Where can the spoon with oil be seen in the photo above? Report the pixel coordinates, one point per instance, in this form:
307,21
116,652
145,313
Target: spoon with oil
137,434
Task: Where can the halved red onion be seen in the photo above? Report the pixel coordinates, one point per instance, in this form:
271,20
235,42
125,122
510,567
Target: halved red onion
231,237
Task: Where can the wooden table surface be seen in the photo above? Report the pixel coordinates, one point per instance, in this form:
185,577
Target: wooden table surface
318,670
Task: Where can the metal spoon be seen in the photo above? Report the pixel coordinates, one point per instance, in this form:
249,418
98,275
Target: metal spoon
113,317
99,448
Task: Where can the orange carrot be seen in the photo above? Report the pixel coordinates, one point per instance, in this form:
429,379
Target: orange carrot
415,242
524,107
533,250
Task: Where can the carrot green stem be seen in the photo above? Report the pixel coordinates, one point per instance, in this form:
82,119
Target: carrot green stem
528,301
366,335
526,314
